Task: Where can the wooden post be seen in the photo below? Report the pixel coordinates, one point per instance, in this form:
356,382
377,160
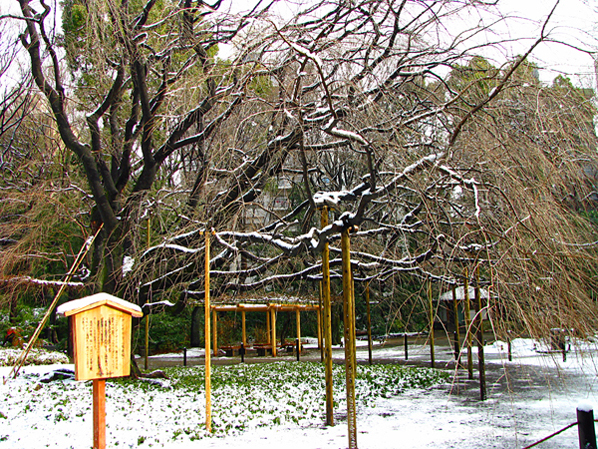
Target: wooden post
298,319
457,330
480,338
320,345
320,324
208,361
406,346
353,329
268,326
273,322
327,325
509,348
585,427
431,307
348,298
147,318
468,326
214,332
99,414
244,328
369,317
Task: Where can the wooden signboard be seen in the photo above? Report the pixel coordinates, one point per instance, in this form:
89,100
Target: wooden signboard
102,335
102,347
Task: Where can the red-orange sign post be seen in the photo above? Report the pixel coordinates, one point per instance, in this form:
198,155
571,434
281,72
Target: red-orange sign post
102,347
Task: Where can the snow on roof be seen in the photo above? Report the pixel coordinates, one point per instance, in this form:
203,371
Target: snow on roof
79,305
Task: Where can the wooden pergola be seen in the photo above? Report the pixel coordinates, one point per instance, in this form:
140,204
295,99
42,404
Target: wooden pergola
270,309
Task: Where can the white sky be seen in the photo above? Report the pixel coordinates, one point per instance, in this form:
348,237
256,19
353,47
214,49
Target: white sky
574,22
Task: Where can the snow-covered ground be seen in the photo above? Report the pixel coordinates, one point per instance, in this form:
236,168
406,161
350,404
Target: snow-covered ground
529,397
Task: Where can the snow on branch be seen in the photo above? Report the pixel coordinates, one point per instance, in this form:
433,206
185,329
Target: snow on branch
28,281
332,198
337,132
172,247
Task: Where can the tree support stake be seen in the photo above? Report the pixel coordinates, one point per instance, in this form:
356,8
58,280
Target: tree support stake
327,324
350,362
208,364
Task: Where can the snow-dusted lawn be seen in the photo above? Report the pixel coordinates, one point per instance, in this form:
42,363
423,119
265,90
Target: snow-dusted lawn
281,406
170,413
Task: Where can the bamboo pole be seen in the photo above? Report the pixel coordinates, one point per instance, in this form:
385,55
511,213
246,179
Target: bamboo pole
268,327
244,328
82,253
147,324
468,326
320,324
431,309
320,346
349,339
327,325
353,328
273,322
207,332
369,317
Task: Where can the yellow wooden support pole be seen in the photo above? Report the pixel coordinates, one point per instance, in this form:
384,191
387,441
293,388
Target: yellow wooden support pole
468,326
273,323
350,362
431,309
353,328
208,364
319,318
147,324
244,328
268,327
369,317
327,325
320,324
298,319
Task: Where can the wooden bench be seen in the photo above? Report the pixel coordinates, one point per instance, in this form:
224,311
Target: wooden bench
231,350
263,349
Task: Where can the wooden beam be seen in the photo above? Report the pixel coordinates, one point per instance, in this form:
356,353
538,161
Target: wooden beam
99,414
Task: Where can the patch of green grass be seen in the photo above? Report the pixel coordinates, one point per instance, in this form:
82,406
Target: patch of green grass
277,393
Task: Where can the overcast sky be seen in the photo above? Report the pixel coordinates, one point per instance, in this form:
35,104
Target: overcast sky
574,22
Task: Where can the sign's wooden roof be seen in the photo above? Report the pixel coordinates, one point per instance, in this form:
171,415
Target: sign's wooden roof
97,300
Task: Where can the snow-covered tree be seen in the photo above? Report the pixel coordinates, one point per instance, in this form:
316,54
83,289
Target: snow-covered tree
382,111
